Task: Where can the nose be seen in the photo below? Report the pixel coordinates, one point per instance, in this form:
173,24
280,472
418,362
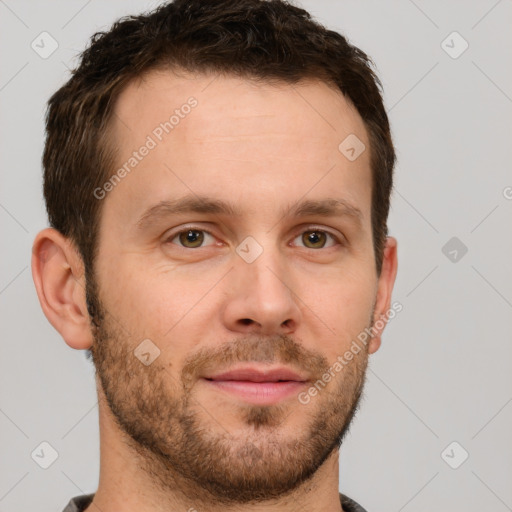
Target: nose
261,298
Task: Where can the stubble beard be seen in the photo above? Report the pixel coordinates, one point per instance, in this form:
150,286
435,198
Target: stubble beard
183,446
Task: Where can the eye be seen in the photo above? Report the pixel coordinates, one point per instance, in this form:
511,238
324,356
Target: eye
191,238
316,238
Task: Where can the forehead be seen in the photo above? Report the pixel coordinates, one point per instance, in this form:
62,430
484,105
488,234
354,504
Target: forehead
310,108
266,141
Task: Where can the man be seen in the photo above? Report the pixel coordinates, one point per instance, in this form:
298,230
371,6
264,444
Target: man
217,179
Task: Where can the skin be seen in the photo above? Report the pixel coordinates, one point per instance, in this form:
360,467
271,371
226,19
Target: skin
168,439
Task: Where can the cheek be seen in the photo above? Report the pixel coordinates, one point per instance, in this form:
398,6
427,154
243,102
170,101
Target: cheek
344,304
161,305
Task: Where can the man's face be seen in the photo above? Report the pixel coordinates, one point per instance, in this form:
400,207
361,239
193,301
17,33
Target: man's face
294,294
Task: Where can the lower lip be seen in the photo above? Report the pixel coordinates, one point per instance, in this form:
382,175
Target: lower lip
262,393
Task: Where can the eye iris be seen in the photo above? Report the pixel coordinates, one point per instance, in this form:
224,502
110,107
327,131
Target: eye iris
192,236
313,237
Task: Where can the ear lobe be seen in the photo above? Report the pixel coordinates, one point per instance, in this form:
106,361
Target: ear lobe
57,271
384,290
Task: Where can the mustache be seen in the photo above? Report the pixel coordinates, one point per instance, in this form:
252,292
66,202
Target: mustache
277,349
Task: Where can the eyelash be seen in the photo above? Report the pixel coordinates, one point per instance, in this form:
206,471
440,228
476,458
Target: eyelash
315,229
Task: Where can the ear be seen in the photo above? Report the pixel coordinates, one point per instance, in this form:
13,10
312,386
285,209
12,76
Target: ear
384,290
58,273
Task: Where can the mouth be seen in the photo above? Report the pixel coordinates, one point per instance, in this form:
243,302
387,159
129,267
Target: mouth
258,385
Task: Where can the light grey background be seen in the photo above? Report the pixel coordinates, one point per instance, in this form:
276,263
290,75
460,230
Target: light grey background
443,373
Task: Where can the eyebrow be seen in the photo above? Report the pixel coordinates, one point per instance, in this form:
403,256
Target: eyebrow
328,207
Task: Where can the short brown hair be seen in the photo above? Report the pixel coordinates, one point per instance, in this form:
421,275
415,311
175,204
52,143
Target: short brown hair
270,40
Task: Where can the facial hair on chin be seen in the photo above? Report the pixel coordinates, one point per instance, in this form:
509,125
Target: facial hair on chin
183,447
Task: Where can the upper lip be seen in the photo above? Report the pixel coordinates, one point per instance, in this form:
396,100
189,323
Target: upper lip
258,374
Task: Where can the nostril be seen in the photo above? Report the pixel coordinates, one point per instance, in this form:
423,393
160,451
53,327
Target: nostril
246,321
